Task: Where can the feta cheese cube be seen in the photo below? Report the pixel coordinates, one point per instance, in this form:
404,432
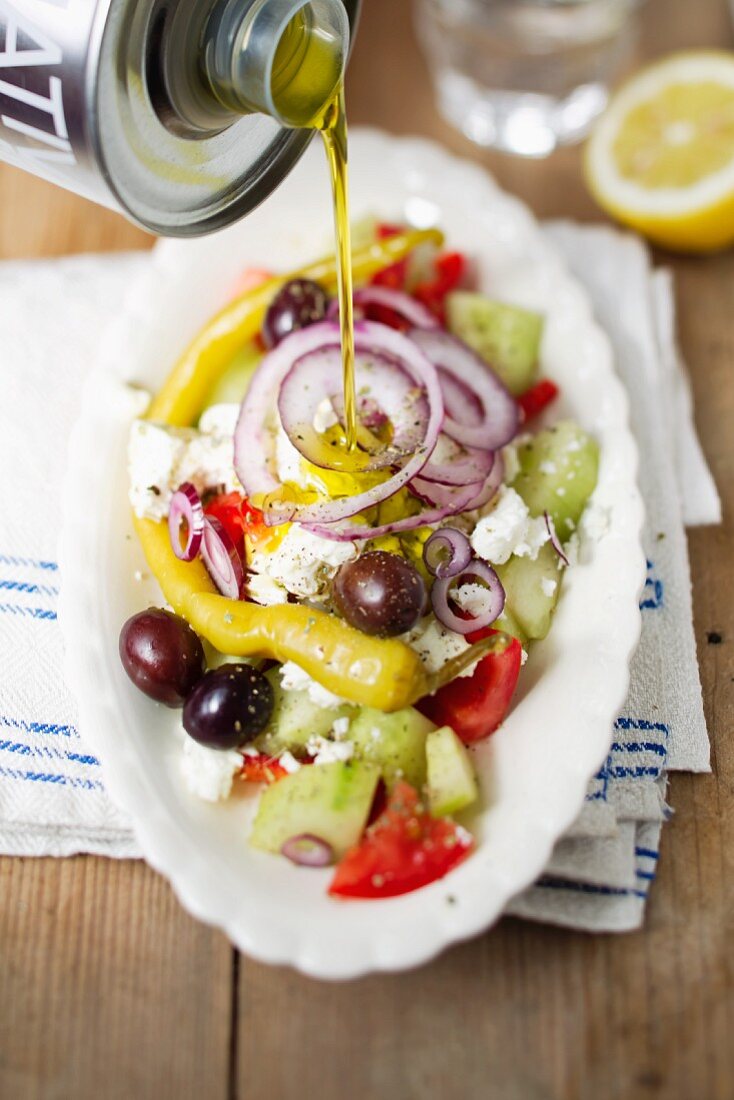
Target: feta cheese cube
508,529
208,773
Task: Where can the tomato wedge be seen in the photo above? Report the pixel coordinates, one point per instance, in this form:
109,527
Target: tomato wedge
537,398
404,850
238,517
262,769
474,706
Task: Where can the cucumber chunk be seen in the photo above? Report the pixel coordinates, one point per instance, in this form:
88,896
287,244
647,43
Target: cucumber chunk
506,336
295,719
452,784
531,591
558,473
233,384
330,801
395,742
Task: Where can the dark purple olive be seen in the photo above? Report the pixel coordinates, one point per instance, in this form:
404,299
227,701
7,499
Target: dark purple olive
380,594
162,655
299,303
228,707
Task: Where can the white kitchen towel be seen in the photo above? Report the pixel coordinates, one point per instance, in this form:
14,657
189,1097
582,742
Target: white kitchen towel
51,798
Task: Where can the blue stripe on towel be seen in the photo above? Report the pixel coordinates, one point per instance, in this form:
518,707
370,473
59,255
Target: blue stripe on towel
30,589
30,563
589,888
31,612
654,591
38,727
48,751
51,777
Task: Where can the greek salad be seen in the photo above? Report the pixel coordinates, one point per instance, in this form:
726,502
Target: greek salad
341,625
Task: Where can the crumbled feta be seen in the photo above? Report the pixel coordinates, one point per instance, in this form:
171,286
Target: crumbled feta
264,590
329,752
548,585
435,645
160,458
548,467
208,773
595,522
220,419
571,550
473,598
288,464
289,763
508,529
511,461
340,728
304,563
294,678
523,656
325,416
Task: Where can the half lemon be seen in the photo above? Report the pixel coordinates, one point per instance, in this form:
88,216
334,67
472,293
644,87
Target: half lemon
661,158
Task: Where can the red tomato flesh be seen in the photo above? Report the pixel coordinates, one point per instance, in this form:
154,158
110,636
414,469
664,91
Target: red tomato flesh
402,851
537,398
474,706
262,769
237,516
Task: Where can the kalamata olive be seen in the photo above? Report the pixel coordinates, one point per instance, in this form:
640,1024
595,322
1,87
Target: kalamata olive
228,707
380,593
299,303
162,655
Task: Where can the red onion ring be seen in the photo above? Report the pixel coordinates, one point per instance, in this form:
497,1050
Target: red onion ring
463,465
412,310
251,437
379,380
308,850
447,540
222,559
186,505
453,499
555,541
440,594
500,411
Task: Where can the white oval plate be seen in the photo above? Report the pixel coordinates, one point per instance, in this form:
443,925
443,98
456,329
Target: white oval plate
535,769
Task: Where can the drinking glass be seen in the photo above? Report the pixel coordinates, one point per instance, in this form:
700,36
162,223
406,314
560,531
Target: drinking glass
525,76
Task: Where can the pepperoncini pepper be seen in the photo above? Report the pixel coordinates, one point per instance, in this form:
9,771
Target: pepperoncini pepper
384,673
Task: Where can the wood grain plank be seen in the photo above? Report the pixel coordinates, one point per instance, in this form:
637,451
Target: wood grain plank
108,988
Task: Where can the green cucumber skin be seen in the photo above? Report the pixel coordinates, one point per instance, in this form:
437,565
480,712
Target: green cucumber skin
559,468
507,337
330,801
528,605
295,719
452,784
399,750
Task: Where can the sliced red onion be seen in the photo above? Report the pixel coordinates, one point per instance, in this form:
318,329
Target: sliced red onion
412,310
379,380
451,464
460,402
186,506
454,499
500,411
369,336
555,541
222,558
308,850
447,553
253,435
441,591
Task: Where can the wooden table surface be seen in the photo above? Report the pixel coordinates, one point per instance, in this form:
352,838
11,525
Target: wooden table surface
109,989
